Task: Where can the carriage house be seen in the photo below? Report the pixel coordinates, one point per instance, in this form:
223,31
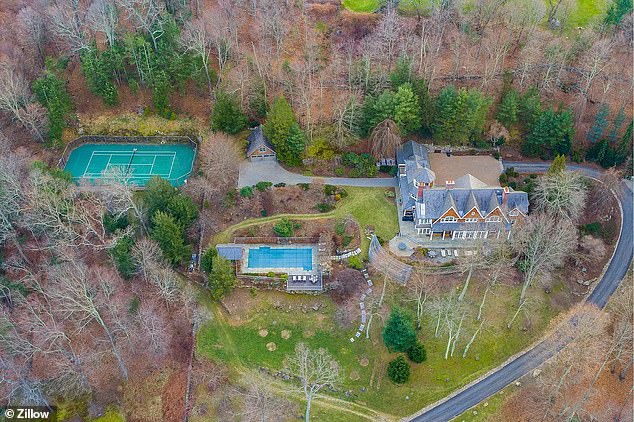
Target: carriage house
260,149
465,208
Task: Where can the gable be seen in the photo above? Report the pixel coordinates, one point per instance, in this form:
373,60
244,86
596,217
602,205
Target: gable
473,213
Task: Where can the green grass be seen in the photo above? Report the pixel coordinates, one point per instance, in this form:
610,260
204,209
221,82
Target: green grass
585,11
239,345
361,5
368,206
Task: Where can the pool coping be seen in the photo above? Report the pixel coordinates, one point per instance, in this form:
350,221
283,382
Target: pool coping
244,268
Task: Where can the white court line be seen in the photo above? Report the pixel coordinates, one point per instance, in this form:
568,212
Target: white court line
88,165
152,168
171,166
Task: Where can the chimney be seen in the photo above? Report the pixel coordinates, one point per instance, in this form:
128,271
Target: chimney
421,188
504,193
449,184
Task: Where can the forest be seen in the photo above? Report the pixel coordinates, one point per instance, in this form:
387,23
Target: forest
99,314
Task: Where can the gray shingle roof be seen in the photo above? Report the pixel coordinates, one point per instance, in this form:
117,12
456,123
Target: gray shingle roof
256,140
230,251
438,200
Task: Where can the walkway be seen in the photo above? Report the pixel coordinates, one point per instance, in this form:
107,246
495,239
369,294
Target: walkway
474,393
252,172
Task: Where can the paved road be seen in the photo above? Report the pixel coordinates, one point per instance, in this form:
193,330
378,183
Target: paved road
530,360
271,171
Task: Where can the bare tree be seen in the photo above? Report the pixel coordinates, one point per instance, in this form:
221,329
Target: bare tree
13,173
388,33
315,370
17,99
78,299
260,403
67,23
147,16
420,286
219,159
196,38
119,193
385,139
154,328
103,17
562,195
542,244
31,30
274,24
154,270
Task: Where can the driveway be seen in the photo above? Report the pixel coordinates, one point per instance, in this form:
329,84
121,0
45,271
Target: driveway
252,172
525,363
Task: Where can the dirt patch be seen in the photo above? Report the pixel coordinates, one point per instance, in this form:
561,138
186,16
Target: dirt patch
271,347
263,332
173,397
364,362
286,334
308,333
354,375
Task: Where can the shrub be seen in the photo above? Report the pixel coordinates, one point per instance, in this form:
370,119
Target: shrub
340,228
342,193
206,260
346,241
503,179
399,334
263,212
112,224
330,189
133,306
246,192
284,228
417,353
280,185
262,186
270,274
325,207
355,262
593,229
122,257
339,171
229,200
398,370
304,186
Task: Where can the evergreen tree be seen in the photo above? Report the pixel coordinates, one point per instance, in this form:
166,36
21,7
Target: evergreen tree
551,134
221,277
508,109
600,123
99,76
398,370
170,236
279,120
157,194
460,115
183,209
292,151
616,11
227,115
406,110
558,165
530,108
425,103
399,334
51,93
618,121
402,73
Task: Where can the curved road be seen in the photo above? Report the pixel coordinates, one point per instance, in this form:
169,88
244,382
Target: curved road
618,267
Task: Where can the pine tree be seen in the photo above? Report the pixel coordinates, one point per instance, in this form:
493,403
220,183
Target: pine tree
292,151
279,120
221,277
460,115
170,236
600,123
558,165
552,133
406,110
446,114
530,109
508,109
425,102
227,115
616,11
399,334
618,121
52,94
402,73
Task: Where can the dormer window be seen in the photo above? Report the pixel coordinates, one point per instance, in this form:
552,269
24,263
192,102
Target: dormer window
494,219
449,219
471,220
401,169
513,213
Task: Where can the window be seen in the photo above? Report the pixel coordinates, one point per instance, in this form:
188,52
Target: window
449,219
262,149
424,231
494,219
470,220
513,213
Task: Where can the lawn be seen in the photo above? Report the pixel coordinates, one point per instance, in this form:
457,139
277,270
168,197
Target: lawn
368,206
361,5
585,11
240,342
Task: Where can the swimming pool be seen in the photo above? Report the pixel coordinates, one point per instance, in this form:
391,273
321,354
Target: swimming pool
269,258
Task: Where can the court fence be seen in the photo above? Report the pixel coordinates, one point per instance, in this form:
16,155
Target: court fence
108,139
254,240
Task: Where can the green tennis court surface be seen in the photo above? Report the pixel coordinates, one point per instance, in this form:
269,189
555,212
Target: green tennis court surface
139,162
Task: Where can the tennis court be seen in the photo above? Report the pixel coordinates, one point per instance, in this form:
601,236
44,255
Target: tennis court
139,162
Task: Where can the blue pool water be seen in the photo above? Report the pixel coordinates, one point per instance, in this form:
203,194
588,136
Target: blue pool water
267,257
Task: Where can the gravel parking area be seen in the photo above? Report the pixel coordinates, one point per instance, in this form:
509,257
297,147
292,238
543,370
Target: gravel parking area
484,167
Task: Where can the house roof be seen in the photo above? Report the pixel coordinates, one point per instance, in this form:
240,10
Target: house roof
256,140
439,200
415,158
469,182
230,251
